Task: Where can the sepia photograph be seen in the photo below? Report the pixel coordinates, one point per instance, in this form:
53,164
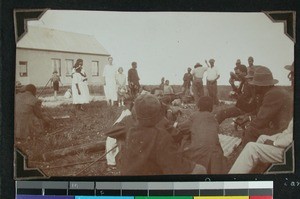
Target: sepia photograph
107,93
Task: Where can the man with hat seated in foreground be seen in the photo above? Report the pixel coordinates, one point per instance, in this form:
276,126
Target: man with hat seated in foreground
275,111
150,150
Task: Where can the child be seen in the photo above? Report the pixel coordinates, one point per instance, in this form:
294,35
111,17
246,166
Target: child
203,144
55,79
150,150
121,86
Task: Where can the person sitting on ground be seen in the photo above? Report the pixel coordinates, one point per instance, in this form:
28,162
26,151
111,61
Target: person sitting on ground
168,90
275,111
240,71
202,144
267,149
27,109
168,93
150,150
245,104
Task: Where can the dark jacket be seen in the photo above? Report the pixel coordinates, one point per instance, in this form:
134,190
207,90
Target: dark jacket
274,114
152,151
133,76
27,110
203,144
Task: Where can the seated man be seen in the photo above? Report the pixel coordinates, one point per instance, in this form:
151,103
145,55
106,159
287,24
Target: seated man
267,149
246,102
150,150
275,110
202,144
240,71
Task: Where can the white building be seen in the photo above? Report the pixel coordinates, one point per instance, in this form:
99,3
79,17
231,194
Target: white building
42,51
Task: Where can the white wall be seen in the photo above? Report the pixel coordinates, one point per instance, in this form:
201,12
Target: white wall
40,66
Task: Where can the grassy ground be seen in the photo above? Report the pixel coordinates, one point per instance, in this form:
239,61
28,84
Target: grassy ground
86,127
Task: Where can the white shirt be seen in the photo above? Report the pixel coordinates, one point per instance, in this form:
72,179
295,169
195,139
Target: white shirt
198,72
212,74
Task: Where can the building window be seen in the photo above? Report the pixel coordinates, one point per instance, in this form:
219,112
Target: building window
69,66
56,66
95,68
23,68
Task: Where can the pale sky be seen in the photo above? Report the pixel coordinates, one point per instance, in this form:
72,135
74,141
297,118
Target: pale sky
164,44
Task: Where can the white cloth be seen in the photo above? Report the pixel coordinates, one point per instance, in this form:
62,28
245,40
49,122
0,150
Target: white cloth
257,151
199,71
212,73
110,87
111,142
84,97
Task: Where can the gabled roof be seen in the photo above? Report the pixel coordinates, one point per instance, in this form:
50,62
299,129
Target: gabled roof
39,38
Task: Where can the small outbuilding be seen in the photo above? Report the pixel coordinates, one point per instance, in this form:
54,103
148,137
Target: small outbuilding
41,51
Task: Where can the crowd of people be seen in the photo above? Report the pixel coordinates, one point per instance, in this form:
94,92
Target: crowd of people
150,142
153,144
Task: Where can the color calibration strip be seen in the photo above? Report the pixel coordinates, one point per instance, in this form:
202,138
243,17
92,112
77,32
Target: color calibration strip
144,190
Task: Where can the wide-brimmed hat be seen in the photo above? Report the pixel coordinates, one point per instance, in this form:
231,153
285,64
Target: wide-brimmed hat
263,77
197,65
290,67
148,109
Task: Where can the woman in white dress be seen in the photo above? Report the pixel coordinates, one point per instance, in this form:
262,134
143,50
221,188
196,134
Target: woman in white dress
80,90
110,86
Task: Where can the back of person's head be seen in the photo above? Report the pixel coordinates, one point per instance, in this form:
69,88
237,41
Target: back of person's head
148,110
205,103
31,88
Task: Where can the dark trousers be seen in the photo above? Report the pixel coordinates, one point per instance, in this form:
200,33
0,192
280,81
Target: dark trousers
212,89
197,89
228,113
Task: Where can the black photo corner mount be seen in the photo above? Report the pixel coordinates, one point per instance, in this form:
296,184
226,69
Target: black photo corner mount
20,20
22,171
288,164
289,20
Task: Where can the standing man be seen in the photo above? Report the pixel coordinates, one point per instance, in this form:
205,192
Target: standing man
197,87
211,83
251,66
276,109
187,79
133,80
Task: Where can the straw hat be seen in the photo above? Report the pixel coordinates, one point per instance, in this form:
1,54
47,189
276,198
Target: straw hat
263,77
147,109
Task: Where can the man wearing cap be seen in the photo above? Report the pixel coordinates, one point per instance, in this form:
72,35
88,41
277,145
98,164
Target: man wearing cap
197,87
133,80
211,83
150,150
267,149
27,109
187,79
276,109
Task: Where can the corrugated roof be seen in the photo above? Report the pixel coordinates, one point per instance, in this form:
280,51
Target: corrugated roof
56,40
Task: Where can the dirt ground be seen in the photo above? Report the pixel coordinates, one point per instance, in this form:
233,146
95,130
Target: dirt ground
74,144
